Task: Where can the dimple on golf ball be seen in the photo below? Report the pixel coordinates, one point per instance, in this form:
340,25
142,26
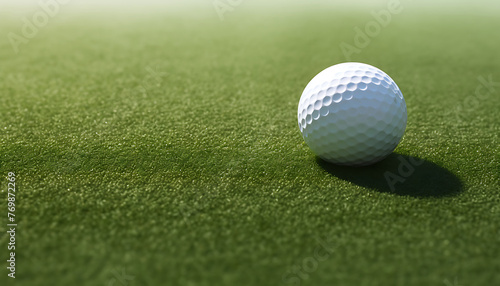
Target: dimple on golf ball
352,114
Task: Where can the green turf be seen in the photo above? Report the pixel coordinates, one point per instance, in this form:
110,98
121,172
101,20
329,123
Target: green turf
166,145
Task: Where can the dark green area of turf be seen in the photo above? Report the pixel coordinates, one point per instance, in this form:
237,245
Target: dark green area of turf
167,146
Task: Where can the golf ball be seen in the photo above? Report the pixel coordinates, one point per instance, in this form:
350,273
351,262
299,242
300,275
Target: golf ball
352,114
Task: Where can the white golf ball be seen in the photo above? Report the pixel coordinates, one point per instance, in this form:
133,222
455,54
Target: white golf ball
352,114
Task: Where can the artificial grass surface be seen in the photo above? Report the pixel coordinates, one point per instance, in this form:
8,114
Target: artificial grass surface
165,144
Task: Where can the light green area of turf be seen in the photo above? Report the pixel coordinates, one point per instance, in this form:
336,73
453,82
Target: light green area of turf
166,145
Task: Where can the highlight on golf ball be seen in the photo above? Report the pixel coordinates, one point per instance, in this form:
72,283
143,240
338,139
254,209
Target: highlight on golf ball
352,114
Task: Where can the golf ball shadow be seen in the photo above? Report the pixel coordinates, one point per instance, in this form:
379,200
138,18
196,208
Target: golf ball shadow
401,175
